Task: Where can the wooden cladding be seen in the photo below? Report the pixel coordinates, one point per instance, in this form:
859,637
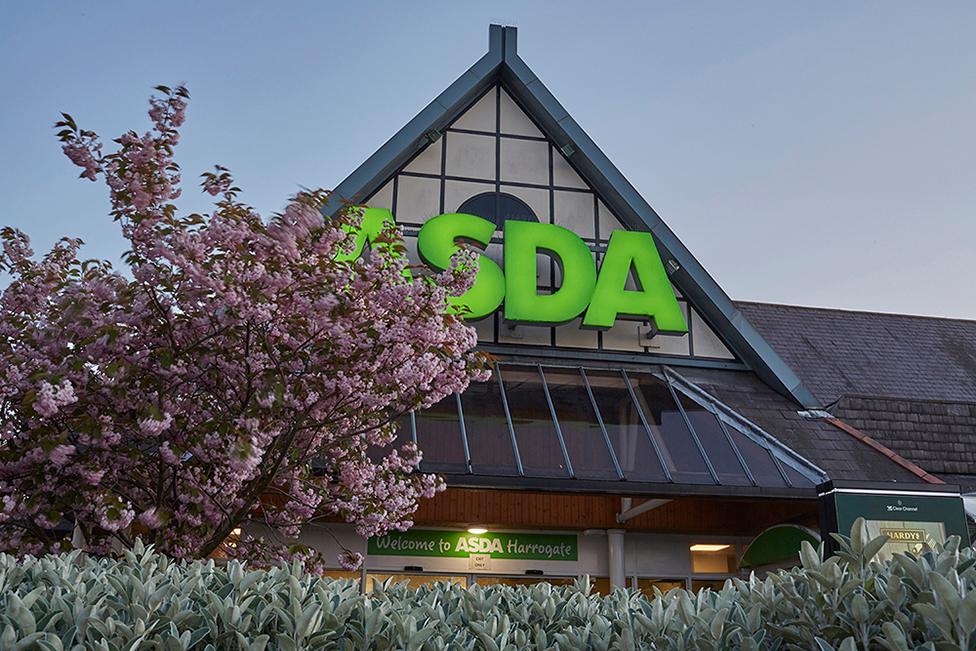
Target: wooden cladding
462,507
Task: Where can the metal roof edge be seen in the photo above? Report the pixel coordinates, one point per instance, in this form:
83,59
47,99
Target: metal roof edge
694,280
406,142
623,488
784,453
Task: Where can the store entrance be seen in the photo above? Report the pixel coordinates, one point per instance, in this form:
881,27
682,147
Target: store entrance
598,584
416,580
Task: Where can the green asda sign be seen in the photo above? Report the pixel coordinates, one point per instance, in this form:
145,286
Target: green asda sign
601,297
460,544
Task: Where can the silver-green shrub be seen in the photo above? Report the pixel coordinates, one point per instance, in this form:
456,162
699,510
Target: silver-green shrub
143,600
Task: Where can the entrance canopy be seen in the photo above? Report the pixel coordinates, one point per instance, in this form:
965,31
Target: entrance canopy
778,545
608,430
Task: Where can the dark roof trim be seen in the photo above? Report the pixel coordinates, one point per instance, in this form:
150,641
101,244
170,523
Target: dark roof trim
502,61
883,449
851,310
885,488
644,489
410,139
610,357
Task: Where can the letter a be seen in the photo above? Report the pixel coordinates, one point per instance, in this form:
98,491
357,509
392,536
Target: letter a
655,298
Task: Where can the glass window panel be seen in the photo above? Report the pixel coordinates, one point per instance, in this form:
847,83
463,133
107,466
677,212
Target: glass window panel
668,426
343,575
715,584
522,580
600,585
414,580
647,585
716,445
798,480
489,440
584,439
714,561
761,465
403,435
635,455
439,438
534,430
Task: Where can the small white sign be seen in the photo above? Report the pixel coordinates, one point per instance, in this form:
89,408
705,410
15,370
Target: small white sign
479,562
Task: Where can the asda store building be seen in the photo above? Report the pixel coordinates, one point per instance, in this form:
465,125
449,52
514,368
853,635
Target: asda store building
640,427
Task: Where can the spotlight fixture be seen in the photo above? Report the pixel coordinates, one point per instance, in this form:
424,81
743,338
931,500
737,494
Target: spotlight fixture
477,530
703,547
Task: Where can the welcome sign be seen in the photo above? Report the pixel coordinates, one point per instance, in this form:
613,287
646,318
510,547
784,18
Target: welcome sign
601,297
460,544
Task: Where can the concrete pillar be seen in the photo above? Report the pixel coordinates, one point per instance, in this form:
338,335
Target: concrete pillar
618,570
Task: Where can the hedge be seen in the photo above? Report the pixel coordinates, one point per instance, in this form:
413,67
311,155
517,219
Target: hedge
143,600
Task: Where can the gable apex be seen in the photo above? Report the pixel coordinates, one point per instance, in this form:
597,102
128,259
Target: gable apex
501,65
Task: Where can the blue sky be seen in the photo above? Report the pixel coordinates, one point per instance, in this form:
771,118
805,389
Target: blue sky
806,153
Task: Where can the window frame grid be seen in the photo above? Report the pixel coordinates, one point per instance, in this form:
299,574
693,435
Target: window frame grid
647,427
756,434
599,420
675,383
694,434
464,435
735,449
555,422
496,367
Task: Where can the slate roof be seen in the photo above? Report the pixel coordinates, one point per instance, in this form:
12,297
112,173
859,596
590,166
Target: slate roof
835,451
843,352
939,436
908,382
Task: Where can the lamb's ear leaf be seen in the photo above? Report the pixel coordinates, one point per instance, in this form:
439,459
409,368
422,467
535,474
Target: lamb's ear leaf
873,547
823,645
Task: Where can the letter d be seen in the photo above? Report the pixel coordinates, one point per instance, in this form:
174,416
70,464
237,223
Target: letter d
523,302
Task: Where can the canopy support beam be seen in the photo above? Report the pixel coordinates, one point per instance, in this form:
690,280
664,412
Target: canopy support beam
627,511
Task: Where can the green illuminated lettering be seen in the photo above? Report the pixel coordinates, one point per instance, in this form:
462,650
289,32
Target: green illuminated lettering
655,298
602,297
523,302
374,221
437,243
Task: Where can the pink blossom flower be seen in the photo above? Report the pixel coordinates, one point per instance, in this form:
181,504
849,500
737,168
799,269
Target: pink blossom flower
50,398
92,476
60,454
350,560
154,427
150,518
167,455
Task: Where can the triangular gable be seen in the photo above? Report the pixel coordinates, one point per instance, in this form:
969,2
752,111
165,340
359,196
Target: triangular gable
487,101
494,152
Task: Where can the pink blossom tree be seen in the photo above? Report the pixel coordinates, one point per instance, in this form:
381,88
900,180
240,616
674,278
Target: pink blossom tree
242,372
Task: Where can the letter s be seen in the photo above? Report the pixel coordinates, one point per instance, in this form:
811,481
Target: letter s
436,243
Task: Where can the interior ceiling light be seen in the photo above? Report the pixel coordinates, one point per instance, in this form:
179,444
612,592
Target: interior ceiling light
477,530
705,547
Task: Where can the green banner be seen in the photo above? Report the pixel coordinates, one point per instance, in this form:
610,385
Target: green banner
461,544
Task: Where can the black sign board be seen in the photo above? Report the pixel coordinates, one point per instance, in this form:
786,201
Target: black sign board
910,515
